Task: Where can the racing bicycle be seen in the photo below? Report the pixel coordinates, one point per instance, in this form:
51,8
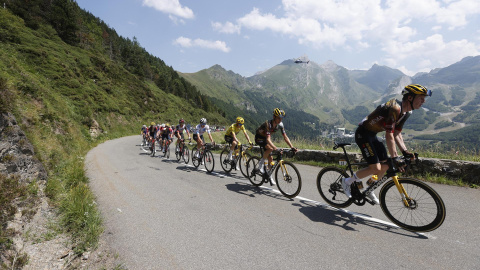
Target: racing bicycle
182,152
240,158
287,176
407,202
203,155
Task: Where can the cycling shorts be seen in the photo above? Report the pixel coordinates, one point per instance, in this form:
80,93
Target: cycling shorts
195,137
261,141
228,139
373,150
165,136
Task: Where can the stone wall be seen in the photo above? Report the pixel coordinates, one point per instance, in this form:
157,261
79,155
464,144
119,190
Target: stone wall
468,171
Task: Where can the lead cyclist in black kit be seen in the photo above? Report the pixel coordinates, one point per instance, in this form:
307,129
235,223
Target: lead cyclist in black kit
389,117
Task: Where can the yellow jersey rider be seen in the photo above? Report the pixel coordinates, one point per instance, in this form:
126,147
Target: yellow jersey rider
263,137
389,117
231,135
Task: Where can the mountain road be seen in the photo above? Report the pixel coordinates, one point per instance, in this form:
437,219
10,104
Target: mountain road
164,214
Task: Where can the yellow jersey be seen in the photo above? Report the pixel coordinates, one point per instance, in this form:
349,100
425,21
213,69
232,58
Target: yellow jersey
234,129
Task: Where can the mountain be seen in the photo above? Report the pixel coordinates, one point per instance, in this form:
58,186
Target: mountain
378,78
337,96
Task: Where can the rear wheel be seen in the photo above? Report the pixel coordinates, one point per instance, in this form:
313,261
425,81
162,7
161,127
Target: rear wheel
329,186
226,164
425,211
209,161
196,157
253,174
288,179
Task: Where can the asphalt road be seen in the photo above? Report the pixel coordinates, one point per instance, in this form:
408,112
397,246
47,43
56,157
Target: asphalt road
160,214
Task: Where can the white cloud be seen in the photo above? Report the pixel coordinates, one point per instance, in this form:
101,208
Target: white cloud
403,29
227,27
172,7
201,43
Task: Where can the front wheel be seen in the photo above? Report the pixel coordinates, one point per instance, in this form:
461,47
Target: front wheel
329,185
186,154
252,171
425,211
209,161
226,164
288,179
178,153
242,163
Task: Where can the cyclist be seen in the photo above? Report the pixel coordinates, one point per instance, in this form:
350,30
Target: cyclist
144,132
179,130
198,133
389,117
152,132
166,136
231,135
263,138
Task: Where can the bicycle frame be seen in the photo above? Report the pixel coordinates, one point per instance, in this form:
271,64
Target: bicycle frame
391,173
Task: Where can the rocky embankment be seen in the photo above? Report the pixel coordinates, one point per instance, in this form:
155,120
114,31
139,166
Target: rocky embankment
34,230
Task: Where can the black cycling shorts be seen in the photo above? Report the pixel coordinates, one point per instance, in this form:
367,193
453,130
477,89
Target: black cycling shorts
228,139
373,150
261,141
195,137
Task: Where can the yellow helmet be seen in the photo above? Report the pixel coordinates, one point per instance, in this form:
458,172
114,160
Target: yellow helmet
416,89
152,124
279,113
240,120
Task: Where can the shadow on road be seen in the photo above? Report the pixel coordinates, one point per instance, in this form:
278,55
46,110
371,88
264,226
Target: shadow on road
252,191
348,221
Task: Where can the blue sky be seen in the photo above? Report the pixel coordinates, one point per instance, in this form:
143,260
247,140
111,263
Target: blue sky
248,36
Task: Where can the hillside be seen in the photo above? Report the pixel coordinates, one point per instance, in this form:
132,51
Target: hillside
62,72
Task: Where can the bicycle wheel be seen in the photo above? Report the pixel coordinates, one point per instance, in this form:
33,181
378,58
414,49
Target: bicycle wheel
253,174
242,163
208,161
288,179
194,150
186,154
165,149
196,157
426,210
226,164
178,153
152,147
329,186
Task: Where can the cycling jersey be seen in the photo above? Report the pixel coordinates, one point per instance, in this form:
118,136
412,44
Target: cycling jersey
267,129
234,129
386,117
200,130
180,128
152,130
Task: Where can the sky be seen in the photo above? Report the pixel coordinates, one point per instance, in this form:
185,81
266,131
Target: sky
250,36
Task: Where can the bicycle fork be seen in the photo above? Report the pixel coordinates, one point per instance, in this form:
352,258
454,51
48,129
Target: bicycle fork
405,198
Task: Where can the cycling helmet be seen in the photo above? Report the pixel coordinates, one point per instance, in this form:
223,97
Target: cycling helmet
203,121
416,89
163,125
181,121
167,124
144,126
152,124
279,113
240,120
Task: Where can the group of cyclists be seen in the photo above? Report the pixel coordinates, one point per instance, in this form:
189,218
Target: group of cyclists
389,117
163,134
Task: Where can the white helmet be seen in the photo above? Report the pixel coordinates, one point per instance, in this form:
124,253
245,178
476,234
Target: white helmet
203,121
